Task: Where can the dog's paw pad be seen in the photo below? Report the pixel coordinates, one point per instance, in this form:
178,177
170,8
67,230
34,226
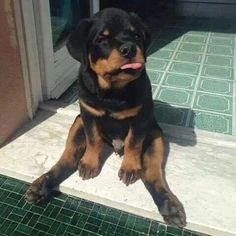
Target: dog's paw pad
129,177
88,170
38,192
173,213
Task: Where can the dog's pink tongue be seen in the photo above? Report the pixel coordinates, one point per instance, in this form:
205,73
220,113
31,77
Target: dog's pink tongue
133,66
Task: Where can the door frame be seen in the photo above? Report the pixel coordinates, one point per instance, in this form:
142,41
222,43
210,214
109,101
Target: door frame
33,25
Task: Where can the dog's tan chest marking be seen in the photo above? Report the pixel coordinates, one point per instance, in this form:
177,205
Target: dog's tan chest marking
92,110
121,115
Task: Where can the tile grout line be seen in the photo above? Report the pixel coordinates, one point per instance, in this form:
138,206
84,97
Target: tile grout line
188,119
191,90
187,62
184,73
168,66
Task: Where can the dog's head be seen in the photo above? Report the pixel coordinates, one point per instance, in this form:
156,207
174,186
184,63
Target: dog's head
112,44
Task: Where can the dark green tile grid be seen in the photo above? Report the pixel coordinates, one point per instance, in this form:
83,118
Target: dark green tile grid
70,216
191,66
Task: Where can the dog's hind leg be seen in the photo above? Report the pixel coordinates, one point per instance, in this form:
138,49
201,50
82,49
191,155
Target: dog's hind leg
42,188
153,178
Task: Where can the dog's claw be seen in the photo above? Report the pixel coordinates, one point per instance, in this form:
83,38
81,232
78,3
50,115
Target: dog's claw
88,171
129,177
39,191
173,212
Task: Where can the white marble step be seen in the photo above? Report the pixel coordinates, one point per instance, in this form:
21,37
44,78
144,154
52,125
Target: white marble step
201,171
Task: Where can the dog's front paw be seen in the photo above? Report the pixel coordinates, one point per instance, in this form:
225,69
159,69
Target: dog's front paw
89,168
129,172
39,191
172,210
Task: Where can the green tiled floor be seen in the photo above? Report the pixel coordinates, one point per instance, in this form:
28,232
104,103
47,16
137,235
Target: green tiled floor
191,64
198,76
70,216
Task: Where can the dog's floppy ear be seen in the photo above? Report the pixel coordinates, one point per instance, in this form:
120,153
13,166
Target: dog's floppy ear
77,41
137,22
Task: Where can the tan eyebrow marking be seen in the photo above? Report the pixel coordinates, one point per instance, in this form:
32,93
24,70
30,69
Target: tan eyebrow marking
106,32
132,28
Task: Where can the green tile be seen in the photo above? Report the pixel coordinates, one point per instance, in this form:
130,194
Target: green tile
74,230
123,219
156,64
153,228
91,227
211,102
187,233
45,220
191,47
32,222
174,231
174,96
194,39
162,230
154,76
54,227
141,225
162,54
67,212
185,68
221,41
170,45
63,216
154,88
15,196
212,122
48,210
57,202
24,229
179,81
19,212
11,228
37,209
216,86
27,217
11,201
197,32
165,113
6,211
61,229
188,57
224,35
14,217
219,60
5,225
55,211
220,50
130,222
218,72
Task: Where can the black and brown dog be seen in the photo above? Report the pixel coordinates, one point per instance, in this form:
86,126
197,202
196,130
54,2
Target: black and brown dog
116,108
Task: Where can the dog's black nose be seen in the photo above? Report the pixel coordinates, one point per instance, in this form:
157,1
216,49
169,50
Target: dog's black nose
128,50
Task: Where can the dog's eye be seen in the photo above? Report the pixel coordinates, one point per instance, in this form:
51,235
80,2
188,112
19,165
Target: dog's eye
102,38
137,36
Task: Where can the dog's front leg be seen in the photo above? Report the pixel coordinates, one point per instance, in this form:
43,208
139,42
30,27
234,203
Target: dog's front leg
131,165
90,163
